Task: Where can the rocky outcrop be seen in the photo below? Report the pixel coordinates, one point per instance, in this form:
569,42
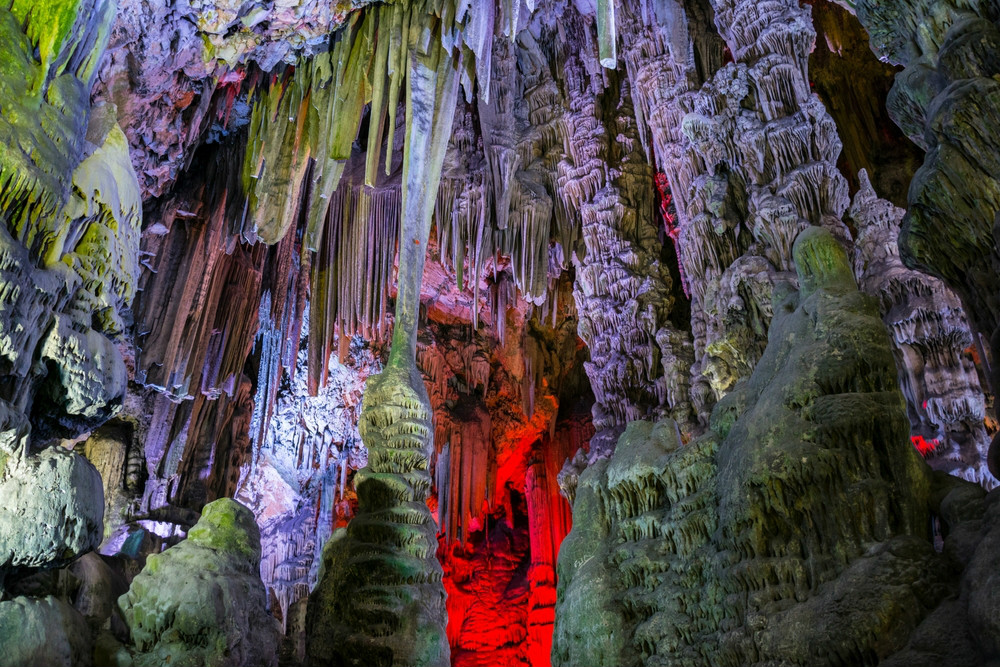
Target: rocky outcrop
43,631
175,70
795,531
932,343
52,511
298,480
749,159
69,224
947,102
202,602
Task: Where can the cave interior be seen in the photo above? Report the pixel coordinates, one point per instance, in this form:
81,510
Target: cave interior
509,333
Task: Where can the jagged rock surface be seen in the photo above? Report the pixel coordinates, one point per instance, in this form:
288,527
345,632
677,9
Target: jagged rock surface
69,220
930,336
947,101
202,602
794,532
175,70
303,462
52,509
752,164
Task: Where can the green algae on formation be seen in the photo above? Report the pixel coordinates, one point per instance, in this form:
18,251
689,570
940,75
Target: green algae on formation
382,601
794,532
45,104
201,603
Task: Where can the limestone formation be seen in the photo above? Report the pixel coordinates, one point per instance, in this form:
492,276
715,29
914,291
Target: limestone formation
382,602
750,161
304,460
202,602
931,343
947,102
322,204
69,220
746,546
622,286
43,631
52,509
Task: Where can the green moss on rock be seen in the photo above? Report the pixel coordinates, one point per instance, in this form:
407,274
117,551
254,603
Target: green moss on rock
793,533
201,602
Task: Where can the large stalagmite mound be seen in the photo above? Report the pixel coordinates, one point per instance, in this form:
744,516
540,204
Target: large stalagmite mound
201,602
797,531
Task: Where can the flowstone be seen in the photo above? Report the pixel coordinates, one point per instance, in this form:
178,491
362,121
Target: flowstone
796,531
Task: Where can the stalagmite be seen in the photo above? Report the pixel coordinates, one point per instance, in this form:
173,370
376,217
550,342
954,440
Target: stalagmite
746,546
382,602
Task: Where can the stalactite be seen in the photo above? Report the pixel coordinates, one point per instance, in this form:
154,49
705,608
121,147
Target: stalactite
623,290
749,158
353,270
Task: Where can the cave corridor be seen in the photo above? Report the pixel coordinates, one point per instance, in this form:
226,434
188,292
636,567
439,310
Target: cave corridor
499,333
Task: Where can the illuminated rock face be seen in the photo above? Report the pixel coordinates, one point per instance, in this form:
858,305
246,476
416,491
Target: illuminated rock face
932,343
290,181
69,224
794,532
206,587
947,102
623,289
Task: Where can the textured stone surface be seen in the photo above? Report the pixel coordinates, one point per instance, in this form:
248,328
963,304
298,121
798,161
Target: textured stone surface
51,509
548,172
43,631
947,102
202,602
931,339
168,62
283,487
794,532
623,289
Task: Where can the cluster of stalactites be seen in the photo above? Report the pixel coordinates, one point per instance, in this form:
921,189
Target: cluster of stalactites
749,159
303,163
